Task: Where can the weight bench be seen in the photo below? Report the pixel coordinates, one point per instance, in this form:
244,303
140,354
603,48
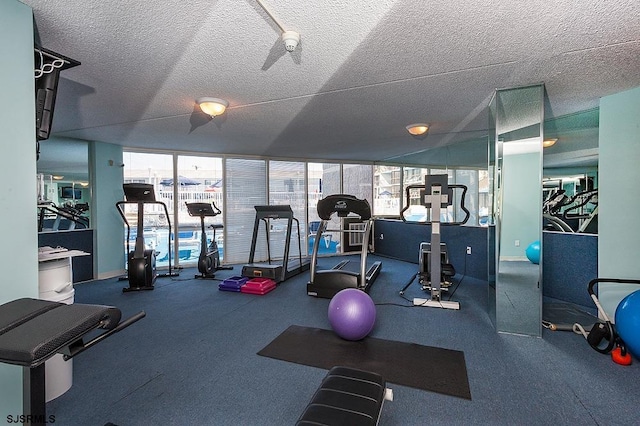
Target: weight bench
347,396
33,330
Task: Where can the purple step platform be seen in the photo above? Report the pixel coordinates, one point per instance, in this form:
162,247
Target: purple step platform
232,284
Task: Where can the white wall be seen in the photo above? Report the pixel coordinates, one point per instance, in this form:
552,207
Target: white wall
18,194
619,195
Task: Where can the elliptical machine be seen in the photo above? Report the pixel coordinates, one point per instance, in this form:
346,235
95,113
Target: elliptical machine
141,262
209,259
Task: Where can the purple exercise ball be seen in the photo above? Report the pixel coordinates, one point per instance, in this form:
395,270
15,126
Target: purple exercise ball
352,314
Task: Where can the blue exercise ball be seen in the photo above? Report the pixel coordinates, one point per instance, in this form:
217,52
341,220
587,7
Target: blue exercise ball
628,322
533,252
352,314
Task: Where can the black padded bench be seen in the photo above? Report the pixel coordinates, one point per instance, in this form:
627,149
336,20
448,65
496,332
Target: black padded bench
347,396
33,330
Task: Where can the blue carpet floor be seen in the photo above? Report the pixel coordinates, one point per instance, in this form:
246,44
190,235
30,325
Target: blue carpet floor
193,360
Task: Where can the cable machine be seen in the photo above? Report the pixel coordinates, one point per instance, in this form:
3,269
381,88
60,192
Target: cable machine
326,283
276,271
435,270
141,262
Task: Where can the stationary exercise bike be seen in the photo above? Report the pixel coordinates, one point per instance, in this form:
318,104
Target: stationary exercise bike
209,259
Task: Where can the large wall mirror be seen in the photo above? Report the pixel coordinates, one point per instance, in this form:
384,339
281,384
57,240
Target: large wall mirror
64,192
570,173
516,298
570,217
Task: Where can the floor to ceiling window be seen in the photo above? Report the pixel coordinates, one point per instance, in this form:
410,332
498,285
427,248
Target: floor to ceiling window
468,178
322,179
357,180
411,201
287,187
236,185
245,188
153,169
199,181
475,198
483,198
387,196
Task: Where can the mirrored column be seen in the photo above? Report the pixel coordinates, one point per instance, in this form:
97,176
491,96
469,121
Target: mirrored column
515,298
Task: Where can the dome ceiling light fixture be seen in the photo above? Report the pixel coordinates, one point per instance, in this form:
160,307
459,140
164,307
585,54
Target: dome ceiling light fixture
549,142
212,106
418,129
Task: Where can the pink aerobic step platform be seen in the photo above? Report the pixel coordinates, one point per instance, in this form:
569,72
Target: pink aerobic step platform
258,286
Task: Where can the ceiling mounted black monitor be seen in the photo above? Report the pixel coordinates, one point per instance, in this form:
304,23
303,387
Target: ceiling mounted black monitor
48,65
46,89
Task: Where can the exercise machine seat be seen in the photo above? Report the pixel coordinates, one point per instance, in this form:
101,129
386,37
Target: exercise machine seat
346,396
34,330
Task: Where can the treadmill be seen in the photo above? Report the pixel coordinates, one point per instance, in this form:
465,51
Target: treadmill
346,274
277,271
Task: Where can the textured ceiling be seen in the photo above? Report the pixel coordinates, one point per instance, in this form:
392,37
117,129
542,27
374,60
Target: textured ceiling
362,72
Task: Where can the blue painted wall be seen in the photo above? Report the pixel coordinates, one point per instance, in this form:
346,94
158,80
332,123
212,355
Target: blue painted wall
78,239
106,177
619,195
521,204
402,241
569,262
18,195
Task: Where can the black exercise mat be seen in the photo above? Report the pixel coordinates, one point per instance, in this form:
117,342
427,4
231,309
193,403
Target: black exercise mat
407,364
